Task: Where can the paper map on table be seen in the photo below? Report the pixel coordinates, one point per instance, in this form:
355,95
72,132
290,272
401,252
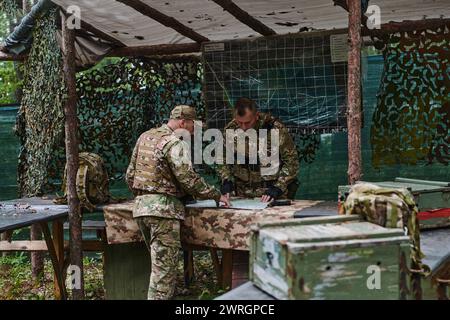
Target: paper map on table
250,204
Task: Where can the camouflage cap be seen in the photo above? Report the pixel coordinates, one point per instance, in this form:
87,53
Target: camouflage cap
183,112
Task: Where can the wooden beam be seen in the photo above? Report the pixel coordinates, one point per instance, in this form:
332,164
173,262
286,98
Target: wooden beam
408,25
72,158
354,110
5,56
245,18
59,274
162,49
27,245
164,19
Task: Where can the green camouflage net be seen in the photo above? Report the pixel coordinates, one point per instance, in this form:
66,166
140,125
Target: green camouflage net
9,7
412,119
40,121
120,101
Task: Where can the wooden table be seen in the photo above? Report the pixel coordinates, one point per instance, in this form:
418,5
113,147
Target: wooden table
435,245
21,213
222,230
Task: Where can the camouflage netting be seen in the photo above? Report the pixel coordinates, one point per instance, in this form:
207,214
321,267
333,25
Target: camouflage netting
412,119
9,7
117,103
121,100
40,122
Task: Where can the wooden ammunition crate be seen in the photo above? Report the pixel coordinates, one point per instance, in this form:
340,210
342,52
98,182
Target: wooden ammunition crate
336,257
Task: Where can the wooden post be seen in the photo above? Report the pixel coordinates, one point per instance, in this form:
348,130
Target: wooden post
354,91
71,129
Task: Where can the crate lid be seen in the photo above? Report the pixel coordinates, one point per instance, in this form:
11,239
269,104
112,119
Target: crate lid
338,231
414,185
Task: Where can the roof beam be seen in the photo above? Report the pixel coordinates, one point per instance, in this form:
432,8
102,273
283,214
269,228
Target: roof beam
408,25
161,49
245,18
164,19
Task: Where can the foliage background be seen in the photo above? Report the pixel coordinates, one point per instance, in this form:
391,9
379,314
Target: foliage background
9,82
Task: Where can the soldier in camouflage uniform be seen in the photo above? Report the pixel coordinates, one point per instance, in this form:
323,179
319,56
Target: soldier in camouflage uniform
246,179
160,178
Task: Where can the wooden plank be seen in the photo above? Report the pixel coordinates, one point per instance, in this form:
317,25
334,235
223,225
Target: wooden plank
165,20
88,245
60,283
127,270
227,269
240,268
162,49
58,240
245,18
26,245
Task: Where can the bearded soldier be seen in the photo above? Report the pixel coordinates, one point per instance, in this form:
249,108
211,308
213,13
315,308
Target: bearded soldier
160,178
249,180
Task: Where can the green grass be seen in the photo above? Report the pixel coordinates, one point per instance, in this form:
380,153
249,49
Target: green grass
16,281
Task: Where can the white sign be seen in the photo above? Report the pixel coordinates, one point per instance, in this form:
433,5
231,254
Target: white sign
339,47
211,47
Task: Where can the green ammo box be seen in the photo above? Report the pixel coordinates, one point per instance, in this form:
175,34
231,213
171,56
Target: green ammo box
335,257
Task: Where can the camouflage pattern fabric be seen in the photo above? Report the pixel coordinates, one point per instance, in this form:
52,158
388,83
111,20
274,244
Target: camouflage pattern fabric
162,237
412,120
154,171
92,182
388,207
247,178
220,228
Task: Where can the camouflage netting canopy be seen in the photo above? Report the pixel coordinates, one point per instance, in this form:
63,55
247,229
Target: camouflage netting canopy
412,120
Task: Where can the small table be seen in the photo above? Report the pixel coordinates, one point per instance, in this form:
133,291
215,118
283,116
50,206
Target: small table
21,213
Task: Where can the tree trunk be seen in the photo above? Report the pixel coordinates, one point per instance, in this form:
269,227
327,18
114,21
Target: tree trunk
71,140
354,115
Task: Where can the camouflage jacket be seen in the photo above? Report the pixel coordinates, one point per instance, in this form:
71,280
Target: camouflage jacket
247,178
160,178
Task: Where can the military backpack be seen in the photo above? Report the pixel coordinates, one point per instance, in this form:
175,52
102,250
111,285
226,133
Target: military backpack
391,208
92,182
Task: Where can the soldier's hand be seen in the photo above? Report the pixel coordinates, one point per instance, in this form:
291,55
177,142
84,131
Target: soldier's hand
226,200
272,193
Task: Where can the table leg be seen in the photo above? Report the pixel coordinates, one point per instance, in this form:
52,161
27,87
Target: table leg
227,268
58,240
57,261
216,263
188,266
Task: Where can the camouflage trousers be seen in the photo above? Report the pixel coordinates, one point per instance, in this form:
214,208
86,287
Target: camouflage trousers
162,237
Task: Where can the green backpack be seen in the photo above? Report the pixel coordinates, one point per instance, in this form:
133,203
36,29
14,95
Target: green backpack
92,182
390,208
